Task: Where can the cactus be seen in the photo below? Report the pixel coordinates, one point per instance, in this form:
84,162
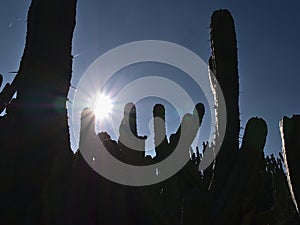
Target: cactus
223,69
237,199
46,185
41,137
160,134
130,138
290,133
235,203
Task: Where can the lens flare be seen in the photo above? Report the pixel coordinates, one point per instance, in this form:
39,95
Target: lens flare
103,106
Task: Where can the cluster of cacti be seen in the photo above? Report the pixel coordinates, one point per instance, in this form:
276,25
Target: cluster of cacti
43,183
234,203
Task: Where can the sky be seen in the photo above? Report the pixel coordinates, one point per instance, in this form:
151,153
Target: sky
268,37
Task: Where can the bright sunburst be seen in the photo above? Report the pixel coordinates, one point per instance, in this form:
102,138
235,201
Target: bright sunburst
103,106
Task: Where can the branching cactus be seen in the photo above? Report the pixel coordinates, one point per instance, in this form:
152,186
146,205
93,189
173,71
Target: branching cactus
47,186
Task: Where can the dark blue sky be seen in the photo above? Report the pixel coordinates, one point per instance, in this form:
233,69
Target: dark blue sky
267,31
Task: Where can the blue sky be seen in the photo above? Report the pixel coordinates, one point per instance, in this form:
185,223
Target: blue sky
268,44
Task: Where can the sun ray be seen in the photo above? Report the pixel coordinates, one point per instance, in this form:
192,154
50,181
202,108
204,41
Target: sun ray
103,106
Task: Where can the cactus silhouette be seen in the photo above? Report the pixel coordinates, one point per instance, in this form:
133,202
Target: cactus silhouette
223,66
37,120
160,134
234,203
44,183
290,133
132,146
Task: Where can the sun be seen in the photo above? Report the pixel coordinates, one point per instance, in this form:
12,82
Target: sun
103,106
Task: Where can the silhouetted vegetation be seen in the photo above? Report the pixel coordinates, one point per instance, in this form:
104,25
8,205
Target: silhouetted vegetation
43,182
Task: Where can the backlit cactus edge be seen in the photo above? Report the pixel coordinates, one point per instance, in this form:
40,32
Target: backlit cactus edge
45,184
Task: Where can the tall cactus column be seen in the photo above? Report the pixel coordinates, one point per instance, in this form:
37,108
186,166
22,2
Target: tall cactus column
290,134
42,86
160,138
132,145
224,66
45,70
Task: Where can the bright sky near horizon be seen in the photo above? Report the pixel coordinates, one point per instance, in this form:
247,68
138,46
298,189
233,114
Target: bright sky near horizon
268,37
